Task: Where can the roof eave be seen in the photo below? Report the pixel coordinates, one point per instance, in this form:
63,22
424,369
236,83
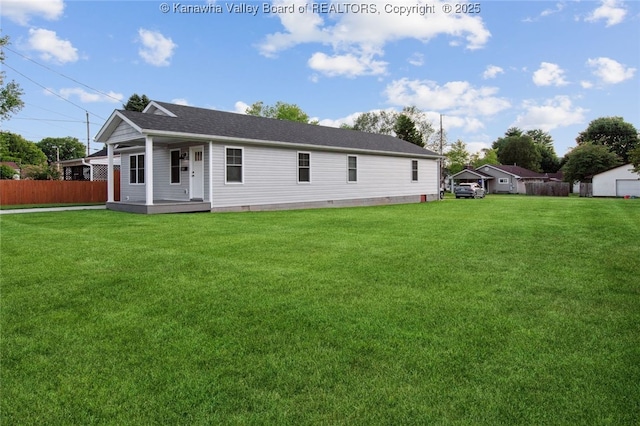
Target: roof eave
280,144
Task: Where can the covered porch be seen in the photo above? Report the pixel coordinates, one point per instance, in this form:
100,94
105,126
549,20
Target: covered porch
191,193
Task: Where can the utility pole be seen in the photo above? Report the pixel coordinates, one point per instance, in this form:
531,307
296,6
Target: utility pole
87,115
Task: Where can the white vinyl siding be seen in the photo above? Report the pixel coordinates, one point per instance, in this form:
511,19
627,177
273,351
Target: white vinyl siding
271,177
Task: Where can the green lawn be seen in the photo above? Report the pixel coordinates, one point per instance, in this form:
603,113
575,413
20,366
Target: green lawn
507,310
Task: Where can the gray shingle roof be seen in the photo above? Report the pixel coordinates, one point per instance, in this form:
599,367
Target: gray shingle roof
208,122
520,171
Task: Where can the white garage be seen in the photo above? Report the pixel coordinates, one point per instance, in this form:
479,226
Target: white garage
617,182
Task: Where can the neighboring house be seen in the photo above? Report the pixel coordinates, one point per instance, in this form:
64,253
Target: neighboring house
14,166
182,158
93,167
616,182
497,179
469,174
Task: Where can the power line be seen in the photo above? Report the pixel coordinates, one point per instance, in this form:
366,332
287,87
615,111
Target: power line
63,75
47,119
46,88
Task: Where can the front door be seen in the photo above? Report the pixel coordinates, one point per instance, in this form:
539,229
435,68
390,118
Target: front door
196,165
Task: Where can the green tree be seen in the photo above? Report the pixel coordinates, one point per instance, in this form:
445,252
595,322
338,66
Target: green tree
586,160
68,148
384,122
381,122
40,172
457,157
634,157
613,132
136,103
549,161
11,93
279,111
521,151
489,156
499,143
6,172
14,147
405,129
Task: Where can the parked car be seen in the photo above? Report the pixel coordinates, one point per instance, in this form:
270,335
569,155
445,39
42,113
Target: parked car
468,190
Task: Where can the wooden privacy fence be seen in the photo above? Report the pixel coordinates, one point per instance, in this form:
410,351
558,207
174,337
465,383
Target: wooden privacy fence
553,189
14,192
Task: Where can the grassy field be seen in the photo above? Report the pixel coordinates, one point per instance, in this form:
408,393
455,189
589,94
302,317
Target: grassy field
509,310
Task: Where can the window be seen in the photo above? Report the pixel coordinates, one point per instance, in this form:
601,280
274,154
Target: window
175,166
352,168
304,167
136,169
234,165
414,170
503,181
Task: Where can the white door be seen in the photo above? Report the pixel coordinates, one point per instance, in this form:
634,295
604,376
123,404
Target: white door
196,182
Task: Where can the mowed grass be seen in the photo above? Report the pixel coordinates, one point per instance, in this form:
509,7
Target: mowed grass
507,310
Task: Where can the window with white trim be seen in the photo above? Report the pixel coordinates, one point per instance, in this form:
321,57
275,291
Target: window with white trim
352,168
503,181
136,169
234,165
414,170
304,167
175,166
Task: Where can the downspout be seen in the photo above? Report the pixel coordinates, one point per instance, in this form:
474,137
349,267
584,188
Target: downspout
84,163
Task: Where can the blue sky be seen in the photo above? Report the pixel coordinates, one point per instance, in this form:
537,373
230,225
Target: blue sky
553,65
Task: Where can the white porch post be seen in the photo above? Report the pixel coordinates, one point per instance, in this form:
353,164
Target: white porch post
148,170
110,181
211,173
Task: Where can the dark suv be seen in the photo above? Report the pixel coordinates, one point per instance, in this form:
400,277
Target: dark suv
468,190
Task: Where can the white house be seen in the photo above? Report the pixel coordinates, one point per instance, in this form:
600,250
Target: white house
617,182
182,158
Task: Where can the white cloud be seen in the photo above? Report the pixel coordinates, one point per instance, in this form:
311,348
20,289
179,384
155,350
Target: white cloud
417,59
547,12
180,101
553,113
156,49
549,75
356,37
347,65
610,10
20,11
88,97
454,97
610,71
51,47
492,71
241,107
586,84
